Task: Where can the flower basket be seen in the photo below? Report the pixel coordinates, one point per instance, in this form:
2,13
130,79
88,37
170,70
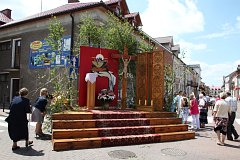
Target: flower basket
106,96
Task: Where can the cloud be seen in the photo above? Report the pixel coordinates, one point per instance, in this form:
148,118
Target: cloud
172,17
187,48
227,29
238,22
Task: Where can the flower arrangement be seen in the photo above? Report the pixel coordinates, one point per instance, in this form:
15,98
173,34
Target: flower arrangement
106,96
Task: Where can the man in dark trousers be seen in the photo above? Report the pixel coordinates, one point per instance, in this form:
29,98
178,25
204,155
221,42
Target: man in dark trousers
230,128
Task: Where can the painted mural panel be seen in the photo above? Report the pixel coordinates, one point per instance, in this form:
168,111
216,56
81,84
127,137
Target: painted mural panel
42,55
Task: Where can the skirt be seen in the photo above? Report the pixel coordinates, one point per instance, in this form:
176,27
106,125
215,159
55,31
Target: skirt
37,116
203,115
221,125
18,131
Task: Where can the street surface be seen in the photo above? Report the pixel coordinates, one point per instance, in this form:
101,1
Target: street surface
203,147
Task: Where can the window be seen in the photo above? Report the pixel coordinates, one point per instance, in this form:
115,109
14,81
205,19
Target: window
16,52
4,46
3,77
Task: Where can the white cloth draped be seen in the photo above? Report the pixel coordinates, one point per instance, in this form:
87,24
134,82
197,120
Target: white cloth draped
91,77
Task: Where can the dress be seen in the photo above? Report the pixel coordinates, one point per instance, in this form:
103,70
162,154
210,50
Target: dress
38,109
17,119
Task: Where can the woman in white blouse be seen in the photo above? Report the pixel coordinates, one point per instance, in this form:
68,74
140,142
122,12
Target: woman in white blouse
220,117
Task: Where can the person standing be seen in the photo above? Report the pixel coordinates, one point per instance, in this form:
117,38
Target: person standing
174,103
220,118
203,111
39,111
17,119
231,118
179,104
184,108
194,112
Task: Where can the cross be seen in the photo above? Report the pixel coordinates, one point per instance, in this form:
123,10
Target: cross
126,59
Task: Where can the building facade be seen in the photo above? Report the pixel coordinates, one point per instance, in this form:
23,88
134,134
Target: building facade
18,68
231,83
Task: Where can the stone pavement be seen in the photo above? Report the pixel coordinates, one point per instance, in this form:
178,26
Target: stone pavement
203,147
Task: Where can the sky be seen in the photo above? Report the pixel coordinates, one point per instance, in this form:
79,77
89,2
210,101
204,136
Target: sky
208,31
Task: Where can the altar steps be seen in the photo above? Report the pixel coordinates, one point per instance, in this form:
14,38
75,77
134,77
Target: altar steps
116,131
80,130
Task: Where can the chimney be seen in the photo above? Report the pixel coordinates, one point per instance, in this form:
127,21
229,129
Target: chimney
73,1
7,12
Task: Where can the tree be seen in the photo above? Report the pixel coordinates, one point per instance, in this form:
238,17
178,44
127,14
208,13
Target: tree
115,33
58,77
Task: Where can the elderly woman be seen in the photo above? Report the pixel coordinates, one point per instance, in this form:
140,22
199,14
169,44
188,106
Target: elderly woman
17,119
220,117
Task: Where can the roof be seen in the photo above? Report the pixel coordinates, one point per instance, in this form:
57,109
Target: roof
4,18
134,16
176,47
130,15
122,3
111,1
168,39
67,8
216,88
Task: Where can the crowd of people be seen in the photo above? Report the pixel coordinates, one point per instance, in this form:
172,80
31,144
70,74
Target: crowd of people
17,119
224,108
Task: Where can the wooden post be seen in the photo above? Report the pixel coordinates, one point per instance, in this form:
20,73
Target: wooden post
124,93
91,95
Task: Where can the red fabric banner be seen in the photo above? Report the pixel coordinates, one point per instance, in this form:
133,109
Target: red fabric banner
87,55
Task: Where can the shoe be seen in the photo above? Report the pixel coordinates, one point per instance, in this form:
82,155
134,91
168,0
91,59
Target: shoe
220,144
230,139
29,143
39,134
235,138
15,148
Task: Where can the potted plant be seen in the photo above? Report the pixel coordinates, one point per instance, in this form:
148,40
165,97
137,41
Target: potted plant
106,96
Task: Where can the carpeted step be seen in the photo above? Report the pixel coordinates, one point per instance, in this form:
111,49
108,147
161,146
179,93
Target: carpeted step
83,143
100,123
72,115
95,114
116,131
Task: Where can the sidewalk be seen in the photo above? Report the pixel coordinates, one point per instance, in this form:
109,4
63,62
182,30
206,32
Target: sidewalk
203,147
